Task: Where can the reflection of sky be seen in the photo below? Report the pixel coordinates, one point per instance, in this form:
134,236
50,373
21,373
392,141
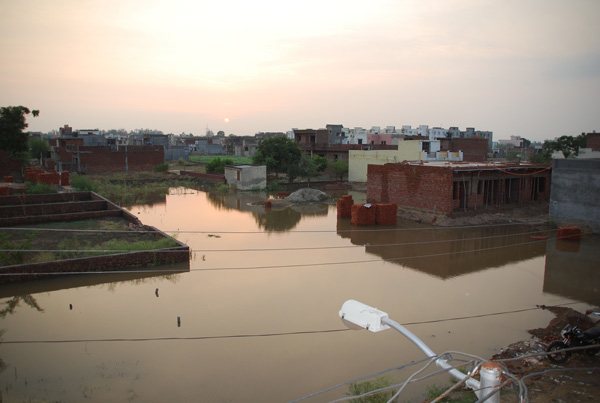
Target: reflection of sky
242,302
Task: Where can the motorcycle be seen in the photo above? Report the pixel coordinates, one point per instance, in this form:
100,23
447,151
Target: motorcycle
573,336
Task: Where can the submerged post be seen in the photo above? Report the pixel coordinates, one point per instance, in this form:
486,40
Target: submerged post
375,320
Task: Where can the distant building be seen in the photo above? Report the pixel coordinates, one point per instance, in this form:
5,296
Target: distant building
408,150
515,141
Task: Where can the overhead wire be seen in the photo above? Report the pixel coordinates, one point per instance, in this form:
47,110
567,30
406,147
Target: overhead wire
295,248
298,332
278,266
270,232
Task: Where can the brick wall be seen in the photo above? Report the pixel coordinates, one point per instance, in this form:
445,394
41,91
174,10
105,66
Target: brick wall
473,149
123,261
415,186
10,166
98,159
593,141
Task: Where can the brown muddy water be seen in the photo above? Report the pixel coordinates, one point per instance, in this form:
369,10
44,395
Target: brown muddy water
256,317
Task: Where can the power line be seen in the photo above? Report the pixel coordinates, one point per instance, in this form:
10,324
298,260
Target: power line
263,232
235,336
292,248
251,335
286,265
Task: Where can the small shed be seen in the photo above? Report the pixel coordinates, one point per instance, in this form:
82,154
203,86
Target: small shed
246,177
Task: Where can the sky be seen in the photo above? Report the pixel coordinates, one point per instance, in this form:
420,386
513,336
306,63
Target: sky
527,68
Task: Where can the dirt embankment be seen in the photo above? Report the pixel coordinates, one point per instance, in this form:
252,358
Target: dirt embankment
577,380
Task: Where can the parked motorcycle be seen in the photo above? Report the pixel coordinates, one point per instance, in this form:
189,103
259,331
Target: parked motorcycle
573,336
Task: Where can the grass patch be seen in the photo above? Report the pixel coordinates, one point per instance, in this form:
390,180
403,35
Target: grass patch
461,395
359,388
39,188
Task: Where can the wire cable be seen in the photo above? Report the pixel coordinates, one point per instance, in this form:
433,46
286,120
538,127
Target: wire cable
269,232
297,248
290,265
235,336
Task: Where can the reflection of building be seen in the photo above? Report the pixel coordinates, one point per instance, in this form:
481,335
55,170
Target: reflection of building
449,187
572,269
447,253
272,219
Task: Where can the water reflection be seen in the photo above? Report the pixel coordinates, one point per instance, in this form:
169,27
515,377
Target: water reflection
445,252
268,219
12,304
572,269
202,338
111,280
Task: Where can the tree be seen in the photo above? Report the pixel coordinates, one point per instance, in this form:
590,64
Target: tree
12,123
279,154
312,166
340,167
540,158
568,145
217,165
38,147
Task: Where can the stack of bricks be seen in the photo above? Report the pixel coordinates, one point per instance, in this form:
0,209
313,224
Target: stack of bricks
4,191
363,214
570,233
64,178
386,214
41,176
344,206
8,179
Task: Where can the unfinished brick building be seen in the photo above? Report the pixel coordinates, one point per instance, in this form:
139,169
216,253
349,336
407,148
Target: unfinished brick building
73,157
450,188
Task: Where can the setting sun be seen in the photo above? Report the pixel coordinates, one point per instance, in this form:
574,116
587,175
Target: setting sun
226,120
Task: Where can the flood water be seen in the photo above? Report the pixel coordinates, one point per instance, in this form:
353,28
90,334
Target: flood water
255,318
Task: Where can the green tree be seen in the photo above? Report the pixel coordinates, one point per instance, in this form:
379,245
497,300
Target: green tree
568,145
340,167
12,123
540,158
217,165
312,166
38,148
280,155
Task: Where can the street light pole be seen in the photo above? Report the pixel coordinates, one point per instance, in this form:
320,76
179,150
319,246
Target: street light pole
375,320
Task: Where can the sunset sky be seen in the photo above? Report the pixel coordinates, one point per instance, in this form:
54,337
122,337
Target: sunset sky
527,67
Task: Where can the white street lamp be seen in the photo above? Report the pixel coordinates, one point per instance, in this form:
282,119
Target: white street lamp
375,320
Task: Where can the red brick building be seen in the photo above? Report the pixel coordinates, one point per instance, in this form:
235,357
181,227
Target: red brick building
593,141
450,188
99,159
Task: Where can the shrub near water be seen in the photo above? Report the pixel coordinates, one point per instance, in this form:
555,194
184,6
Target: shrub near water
83,184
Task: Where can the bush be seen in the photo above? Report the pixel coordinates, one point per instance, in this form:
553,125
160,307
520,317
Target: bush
39,188
161,168
217,165
83,184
